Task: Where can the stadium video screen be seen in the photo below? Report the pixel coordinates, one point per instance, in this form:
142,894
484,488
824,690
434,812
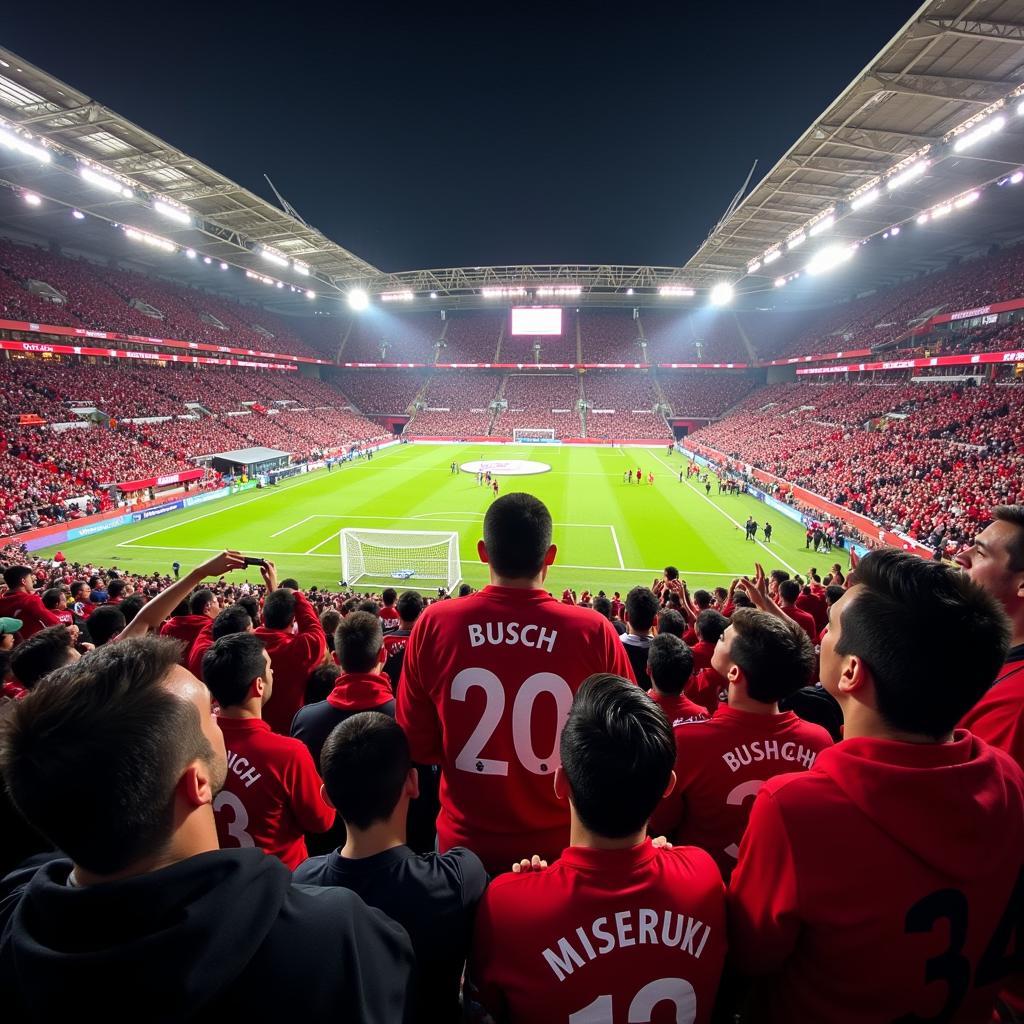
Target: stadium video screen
536,320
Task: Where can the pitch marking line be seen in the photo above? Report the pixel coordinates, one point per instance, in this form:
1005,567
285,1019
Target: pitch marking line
292,527
557,565
722,511
305,479
618,550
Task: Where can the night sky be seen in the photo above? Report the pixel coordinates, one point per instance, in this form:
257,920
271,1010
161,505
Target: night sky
447,137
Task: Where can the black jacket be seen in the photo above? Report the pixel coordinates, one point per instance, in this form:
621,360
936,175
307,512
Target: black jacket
220,936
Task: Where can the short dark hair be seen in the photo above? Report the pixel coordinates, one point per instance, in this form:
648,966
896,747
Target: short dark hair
465,590
618,753
789,590
670,662
199,600
779,575
671,572
517,535
833,592
410,606
233,619
671,622
252,606
116,588
388,595
52,598
710,625
321,681
230,666
364,764
740,600
279,609
1013,514
290,583
92,759
15,574
369,606
358,641
603,607
330,620
702,598
77,587
131,606
774,654
641,607
106,622
951,640
40,654
721,593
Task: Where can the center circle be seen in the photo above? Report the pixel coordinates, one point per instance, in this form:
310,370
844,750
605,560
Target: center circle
505,467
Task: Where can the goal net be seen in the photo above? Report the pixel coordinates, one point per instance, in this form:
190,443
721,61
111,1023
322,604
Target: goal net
529,434
383,556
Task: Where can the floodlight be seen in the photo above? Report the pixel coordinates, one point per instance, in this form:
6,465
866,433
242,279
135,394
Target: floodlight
823,225
358,300
983,131
223,266
828,258
21,145
105,182
310,295
796,240
32,199
866,199
912,173
771,257
78,215
190,253
721,294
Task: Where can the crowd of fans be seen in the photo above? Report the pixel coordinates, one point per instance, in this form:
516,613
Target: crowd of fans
455,405
384,807
705,394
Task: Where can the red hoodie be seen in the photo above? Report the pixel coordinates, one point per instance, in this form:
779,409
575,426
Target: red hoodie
29,608
185,628
882,884
293,656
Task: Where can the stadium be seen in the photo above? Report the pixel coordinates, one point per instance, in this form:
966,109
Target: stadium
219,421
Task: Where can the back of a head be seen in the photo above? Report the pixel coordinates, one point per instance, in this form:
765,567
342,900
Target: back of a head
371,607
517,535
710,625
358,641
465,590
290,583
330,620
949,644
199,600
778,575
41,654
107,621
641,608
252,606
410,606
832,593
233,619
279,609
131,606
364,764
388,596
321,681
92,760
53,598
702,599
671,622
603,607
774,654
789,590
671,572
231,665
618,753
670,662
15,575
116,588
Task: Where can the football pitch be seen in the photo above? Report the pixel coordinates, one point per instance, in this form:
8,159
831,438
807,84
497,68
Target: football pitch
611,535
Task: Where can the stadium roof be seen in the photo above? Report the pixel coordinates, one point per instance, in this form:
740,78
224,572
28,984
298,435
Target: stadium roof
954,60
247,456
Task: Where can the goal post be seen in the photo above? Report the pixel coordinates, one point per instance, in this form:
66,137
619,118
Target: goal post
384,556
530,435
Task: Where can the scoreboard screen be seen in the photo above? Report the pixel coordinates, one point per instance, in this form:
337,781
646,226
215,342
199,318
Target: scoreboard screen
536,320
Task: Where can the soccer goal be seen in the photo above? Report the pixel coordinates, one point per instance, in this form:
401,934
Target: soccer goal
532,435
382,556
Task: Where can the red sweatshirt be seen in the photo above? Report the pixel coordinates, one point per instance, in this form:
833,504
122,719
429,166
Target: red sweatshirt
602,936
271,796
292,656
202,643
803,620
883,884
29,608
185,628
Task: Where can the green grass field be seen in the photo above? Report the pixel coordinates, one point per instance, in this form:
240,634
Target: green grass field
610,535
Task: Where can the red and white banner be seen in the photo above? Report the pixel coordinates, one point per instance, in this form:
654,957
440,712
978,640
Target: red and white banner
978,358
161,481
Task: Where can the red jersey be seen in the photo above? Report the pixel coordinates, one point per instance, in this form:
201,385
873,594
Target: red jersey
702,652
185,628
678,708
65,616
704,687
29,608
998,718
883,884
603,935
271,796
293,656
395,642
804,620
389,618
816,606
485,689
202,643
721,763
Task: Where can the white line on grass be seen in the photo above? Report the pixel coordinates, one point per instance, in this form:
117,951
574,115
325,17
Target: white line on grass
248,501
722,511
618,550
292,527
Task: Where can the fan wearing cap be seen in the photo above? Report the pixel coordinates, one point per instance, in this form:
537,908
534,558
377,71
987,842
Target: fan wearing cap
9,688
22,602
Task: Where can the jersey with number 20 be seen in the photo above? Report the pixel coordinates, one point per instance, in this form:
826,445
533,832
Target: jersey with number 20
486,687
